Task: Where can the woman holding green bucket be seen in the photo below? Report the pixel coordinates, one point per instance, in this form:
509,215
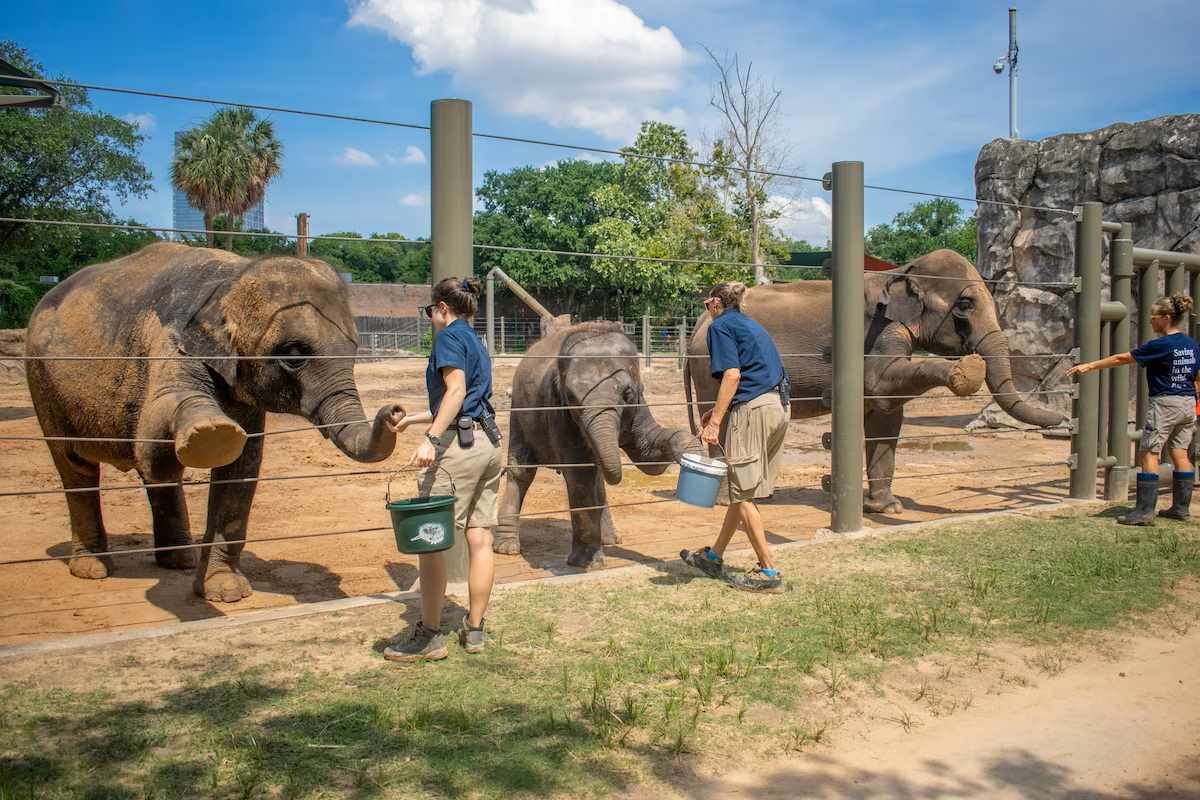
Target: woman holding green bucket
749,420
460,456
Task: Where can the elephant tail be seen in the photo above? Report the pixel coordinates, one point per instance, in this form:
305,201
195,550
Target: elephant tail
687,393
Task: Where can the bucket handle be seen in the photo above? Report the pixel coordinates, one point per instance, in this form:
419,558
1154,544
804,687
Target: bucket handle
387,496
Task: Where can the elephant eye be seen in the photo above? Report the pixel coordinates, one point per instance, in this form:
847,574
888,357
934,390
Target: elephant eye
293,356
963,306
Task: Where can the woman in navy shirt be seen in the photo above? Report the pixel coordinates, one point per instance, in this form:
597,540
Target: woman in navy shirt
749,419
458,380
1171,363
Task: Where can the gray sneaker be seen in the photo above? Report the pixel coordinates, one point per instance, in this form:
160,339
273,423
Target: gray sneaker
472,639
706,560
423,645
757,581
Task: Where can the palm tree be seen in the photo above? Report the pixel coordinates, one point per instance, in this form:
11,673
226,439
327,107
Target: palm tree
225,164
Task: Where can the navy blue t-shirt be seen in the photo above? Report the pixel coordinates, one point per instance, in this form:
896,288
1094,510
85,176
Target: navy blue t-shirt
737,342
1171,363
457,346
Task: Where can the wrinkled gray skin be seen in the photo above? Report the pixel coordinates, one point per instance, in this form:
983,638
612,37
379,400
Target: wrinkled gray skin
581,436
945,317
168,300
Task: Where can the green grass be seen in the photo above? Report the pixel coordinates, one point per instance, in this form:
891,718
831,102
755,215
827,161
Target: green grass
594,688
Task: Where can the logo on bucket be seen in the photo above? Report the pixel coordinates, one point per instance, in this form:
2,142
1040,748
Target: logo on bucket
431,533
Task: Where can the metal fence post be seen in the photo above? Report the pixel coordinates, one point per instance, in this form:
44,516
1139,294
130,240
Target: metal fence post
1195,304
846,504
1120,265
1088,243
491,313
502,348
450,195
1147,294
646,338
683,343
1102,395
1177,283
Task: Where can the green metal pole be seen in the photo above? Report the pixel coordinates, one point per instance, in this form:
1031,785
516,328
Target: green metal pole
1120,265
848,333
1177,283
1195,304
1103,393
450,193
1147,294
1087,339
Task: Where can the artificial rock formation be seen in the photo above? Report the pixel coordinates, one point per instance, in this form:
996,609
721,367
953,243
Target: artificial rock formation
1145,173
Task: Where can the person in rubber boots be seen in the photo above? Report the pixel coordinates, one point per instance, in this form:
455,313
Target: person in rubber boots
1172,360
749,420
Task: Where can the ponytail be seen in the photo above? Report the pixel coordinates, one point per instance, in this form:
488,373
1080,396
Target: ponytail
461,295
729,293
1176,306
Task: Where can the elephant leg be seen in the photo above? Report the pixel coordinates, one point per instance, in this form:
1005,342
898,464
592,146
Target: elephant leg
168,507
508,540
87,523
608,530
585,489
881,459
218,578
902,376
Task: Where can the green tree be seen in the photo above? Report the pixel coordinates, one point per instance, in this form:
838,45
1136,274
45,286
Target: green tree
224,165
551,208
68,160
375,259
927,226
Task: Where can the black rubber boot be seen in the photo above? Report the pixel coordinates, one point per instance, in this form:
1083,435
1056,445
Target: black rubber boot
1181,495
1147,499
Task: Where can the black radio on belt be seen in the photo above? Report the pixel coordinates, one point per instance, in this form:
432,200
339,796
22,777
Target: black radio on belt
466,432
488,423
785,393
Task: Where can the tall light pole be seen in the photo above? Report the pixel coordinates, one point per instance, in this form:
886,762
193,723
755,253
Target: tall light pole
1010,60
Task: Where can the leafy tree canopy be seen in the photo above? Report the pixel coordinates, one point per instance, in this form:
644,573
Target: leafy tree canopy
925,227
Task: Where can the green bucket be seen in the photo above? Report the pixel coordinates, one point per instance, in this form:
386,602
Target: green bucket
422,524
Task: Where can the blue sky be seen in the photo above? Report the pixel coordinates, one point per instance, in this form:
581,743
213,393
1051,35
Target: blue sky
906,87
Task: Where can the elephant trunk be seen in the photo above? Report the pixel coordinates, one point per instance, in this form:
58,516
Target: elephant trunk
602,431
994,347
360,440
652,445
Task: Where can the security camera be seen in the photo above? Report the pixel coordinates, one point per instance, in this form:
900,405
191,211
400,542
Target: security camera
998,67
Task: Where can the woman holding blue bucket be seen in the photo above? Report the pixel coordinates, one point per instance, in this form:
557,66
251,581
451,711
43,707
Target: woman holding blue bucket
461,457
749,420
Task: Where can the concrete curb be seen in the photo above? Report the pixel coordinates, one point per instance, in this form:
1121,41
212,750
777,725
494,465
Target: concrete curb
823,536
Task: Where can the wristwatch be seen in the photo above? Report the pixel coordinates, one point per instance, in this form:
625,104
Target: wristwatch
434,440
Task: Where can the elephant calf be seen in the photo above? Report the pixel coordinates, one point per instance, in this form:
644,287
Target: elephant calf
166,413
606,382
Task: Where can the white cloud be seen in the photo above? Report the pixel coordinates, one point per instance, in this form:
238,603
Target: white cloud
412,155
807,218
143,122
591,64
352,157
413,200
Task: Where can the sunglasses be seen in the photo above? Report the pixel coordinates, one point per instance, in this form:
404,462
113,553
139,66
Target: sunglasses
427,311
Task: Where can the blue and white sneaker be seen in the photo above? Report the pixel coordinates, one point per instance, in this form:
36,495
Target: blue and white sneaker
760,579
705,560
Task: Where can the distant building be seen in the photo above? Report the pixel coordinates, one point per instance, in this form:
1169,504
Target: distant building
187,217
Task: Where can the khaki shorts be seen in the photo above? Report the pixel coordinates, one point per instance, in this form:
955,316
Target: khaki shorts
752,435
1170,421
476,474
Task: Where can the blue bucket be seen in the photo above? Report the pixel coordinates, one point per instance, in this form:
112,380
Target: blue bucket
699,480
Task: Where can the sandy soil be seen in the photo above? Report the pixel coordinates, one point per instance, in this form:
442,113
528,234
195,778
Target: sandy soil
44,600
1109,726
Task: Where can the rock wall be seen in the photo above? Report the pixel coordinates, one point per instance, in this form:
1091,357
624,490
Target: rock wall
1146,173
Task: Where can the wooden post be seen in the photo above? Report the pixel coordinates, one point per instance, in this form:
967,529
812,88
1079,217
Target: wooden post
646,338
302,234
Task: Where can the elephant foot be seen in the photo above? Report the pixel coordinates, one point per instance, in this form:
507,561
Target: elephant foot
225,586
176,559
209,443
887,504
967,374
507,546
610,537
586,556
92,568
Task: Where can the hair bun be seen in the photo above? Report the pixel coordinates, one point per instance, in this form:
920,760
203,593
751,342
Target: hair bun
470,286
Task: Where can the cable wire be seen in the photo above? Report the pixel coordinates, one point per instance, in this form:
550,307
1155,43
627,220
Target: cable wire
971,471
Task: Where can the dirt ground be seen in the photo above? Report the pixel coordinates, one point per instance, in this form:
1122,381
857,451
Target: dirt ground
43,600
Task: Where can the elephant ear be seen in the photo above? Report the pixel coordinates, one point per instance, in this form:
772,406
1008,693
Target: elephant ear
905,303
205,331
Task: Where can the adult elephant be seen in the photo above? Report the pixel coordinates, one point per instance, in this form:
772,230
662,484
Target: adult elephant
938,303
592,370
159,413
